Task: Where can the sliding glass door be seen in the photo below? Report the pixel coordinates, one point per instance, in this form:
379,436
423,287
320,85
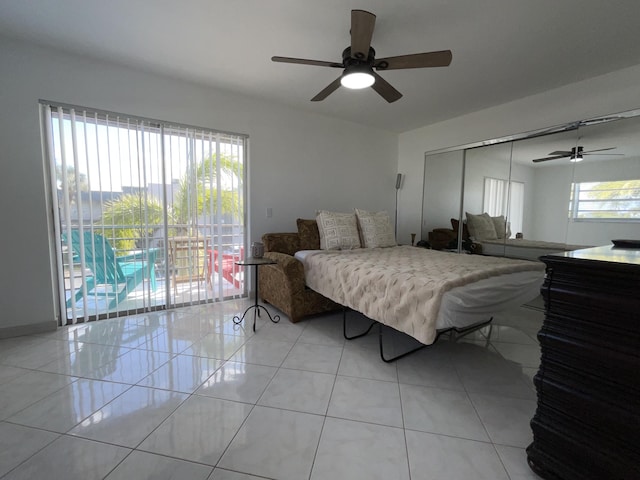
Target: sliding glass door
147,215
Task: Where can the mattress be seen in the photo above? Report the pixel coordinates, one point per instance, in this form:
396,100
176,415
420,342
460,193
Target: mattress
459,306
523,248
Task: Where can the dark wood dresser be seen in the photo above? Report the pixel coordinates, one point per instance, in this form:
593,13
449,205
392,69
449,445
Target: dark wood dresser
587,423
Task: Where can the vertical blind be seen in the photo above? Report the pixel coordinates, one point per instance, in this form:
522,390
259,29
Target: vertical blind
147,214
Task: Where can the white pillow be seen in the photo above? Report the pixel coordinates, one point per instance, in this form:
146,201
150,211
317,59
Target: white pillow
481,227
338,231
375,228
500,225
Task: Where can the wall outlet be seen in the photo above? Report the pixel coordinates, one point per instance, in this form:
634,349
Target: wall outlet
269,212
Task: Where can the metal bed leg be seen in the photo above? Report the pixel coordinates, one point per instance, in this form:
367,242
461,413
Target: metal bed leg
373,322
459,334
397,357
344,326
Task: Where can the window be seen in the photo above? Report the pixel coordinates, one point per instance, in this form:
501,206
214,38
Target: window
147,215
497,196
613,200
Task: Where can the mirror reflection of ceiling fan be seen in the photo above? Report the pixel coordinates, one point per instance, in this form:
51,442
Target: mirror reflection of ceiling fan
358,61
576,154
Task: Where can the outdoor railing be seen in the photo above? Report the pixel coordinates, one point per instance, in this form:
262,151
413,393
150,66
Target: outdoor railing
193,257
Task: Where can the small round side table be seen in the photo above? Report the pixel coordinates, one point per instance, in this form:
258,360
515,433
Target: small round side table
256,307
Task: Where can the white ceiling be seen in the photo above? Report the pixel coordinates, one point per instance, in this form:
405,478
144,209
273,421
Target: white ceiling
502,49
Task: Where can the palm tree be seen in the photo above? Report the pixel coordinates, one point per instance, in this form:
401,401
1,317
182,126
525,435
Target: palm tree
76,182
621,196
128,219
198,191
131,216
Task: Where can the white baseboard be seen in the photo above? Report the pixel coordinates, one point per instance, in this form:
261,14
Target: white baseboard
30,329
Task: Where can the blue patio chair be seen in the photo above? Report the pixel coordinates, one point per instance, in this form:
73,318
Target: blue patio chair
119,275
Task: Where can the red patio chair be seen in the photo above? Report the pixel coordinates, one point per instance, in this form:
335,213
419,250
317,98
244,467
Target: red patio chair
229,268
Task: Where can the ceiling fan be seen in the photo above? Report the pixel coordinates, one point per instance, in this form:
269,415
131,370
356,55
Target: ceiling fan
358,61
575,154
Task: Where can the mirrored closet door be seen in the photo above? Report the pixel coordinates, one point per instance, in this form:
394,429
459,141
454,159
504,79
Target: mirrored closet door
547,181
486,198
605,187
565,188
442,195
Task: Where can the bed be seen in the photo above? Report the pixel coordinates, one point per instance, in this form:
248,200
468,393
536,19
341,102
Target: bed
418,291
524,249
493,236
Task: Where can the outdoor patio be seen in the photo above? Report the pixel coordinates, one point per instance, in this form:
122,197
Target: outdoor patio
181,293
105,282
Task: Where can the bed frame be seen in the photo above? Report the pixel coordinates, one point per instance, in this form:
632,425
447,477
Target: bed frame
458,332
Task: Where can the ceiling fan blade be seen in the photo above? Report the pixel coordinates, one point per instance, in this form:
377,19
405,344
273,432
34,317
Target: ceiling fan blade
384,89
304,61
362,24
415,60
599,150
564,153
536,160
604,154
328,90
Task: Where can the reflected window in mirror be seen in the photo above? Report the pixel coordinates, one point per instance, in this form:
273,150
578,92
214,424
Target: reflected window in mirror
609,200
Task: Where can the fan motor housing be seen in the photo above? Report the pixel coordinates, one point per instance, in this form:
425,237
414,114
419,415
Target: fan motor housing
347,59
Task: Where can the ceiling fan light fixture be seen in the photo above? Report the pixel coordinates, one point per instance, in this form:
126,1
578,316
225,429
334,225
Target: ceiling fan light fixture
359,60
357,77
576,158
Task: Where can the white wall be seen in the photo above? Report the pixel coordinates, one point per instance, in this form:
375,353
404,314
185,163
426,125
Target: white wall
551,187
615,92
299,161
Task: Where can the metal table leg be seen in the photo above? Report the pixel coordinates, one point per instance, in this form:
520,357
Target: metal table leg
256,307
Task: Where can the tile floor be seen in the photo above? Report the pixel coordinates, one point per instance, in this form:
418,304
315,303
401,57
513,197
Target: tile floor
186,394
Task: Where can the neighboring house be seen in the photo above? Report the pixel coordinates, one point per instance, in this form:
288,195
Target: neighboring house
93,202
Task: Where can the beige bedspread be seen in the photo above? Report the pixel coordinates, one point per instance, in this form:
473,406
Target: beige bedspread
401,286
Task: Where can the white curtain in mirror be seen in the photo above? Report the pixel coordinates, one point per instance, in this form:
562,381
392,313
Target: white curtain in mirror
498,200
515,213
495,196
